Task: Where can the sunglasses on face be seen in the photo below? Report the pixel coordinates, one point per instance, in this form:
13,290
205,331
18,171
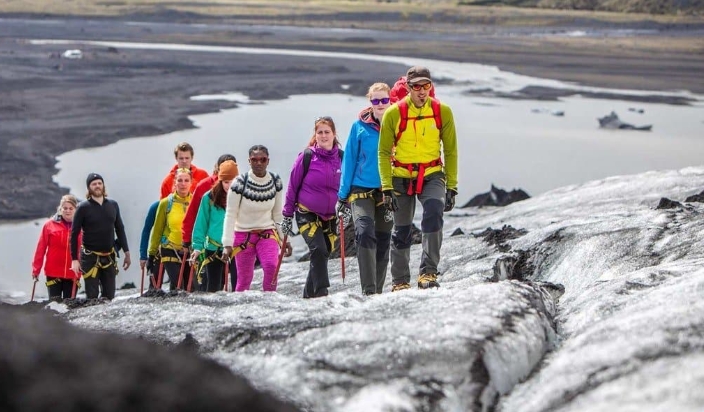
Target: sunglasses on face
417,87
384,100
260,160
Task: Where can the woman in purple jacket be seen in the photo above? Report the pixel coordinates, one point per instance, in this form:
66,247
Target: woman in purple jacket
311,195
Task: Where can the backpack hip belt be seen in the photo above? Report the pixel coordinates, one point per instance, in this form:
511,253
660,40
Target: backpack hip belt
420,168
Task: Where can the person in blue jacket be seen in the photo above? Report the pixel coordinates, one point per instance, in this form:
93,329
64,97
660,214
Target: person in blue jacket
144,261
360,188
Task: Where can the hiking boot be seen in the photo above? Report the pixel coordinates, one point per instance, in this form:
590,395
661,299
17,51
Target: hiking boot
400,286
428,280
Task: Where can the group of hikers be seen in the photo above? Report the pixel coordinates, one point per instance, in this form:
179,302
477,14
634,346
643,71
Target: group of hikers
208,227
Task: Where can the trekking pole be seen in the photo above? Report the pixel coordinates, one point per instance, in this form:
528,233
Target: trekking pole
180,272
275,279
34,286
141,284
342,246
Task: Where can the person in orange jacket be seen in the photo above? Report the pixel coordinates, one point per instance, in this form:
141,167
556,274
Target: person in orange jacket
184,156
53,252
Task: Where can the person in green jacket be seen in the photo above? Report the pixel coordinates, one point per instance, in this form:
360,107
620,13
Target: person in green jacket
417,159
207,230
165,240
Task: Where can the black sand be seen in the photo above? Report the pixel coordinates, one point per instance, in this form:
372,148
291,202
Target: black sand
50,105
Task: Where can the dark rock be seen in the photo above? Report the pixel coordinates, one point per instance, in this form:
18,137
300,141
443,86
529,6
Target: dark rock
457,232
498,237
666,203
611,121
555,290
189,343
39,351
696,198
516,266
128,285
112,49
497,197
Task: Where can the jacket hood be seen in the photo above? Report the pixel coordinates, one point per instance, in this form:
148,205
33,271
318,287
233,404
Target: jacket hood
367,116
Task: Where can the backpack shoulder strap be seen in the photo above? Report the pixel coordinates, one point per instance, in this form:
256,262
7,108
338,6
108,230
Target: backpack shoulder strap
307,155
169,202
437,114
278,184
403,111
245,177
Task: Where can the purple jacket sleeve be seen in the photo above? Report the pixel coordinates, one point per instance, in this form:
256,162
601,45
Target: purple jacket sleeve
294,183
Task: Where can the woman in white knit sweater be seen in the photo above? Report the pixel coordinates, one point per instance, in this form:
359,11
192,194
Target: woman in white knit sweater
254,204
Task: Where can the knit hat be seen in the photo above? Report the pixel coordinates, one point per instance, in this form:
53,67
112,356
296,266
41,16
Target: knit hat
93,176
227,170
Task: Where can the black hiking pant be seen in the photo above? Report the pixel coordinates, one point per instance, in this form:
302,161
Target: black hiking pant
215,270
60,289
316,233
172,266
105,275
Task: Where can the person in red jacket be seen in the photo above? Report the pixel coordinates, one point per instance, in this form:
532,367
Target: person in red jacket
53,251
184,156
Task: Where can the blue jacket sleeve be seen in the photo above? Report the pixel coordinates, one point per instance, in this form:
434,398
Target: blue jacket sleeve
146,230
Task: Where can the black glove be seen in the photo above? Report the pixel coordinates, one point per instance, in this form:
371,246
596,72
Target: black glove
390,200
343,212
287,226
450,199
151,261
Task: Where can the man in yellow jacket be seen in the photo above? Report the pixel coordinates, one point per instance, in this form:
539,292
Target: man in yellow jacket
418,159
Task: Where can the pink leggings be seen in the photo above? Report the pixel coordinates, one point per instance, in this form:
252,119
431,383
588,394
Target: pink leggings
266,249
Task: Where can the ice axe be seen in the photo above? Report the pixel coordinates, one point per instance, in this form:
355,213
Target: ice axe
160,277
227,275
275,279
34,286
180,272
342,246
189,287
77,282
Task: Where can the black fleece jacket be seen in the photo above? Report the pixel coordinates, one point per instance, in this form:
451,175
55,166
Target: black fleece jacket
100,224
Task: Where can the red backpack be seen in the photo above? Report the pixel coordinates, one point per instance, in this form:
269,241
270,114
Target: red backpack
399,91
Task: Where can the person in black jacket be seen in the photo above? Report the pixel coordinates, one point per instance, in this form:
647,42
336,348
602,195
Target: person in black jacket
99,219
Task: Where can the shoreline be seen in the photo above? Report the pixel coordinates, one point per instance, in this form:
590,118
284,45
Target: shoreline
51,105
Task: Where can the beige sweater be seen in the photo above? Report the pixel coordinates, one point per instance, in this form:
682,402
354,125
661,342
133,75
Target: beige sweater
252,205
